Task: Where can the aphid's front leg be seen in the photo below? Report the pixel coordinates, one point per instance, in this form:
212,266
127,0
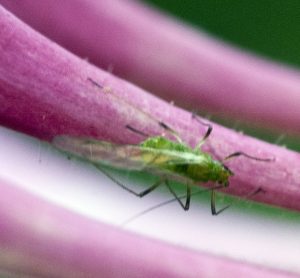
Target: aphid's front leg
208,132
213,200
185,206
213,204
138,194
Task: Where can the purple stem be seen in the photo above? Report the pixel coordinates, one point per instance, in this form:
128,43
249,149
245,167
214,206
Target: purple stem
171,59
45,92
40,239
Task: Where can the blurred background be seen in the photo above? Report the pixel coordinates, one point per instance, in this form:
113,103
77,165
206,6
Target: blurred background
247,231
269,28
266,28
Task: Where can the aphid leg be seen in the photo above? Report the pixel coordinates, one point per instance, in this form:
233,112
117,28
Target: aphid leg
168,202
208,132
185,206
213,204
138,194
151,188
236,154
213,200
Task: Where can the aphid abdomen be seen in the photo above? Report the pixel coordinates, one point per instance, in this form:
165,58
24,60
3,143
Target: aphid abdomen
181,169
200,173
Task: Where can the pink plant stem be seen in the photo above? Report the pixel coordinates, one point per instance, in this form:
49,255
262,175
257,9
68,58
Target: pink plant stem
45,92
171,59
43,240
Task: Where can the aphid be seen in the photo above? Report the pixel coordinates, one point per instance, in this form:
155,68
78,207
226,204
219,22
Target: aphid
157,155
167,159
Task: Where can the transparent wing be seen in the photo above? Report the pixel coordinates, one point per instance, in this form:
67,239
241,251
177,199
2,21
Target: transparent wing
119,156
131,157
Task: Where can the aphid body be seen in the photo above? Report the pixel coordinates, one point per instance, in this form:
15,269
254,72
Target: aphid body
180,159
157,155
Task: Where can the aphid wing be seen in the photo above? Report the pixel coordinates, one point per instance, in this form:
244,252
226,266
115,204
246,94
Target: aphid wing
158,171
119,156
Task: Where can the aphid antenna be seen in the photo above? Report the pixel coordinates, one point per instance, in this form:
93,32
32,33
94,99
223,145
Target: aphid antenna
167,128
95,83
237,154
137,131
170,131
208,132
163,125
175,134
147,135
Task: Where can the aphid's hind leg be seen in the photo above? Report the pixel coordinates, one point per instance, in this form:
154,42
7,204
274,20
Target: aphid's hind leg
208,132
138,194
185,205
236,154
213,200
151,188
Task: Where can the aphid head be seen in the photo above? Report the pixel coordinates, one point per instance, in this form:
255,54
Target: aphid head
224,176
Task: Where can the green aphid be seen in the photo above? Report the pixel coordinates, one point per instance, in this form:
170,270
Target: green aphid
159,156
